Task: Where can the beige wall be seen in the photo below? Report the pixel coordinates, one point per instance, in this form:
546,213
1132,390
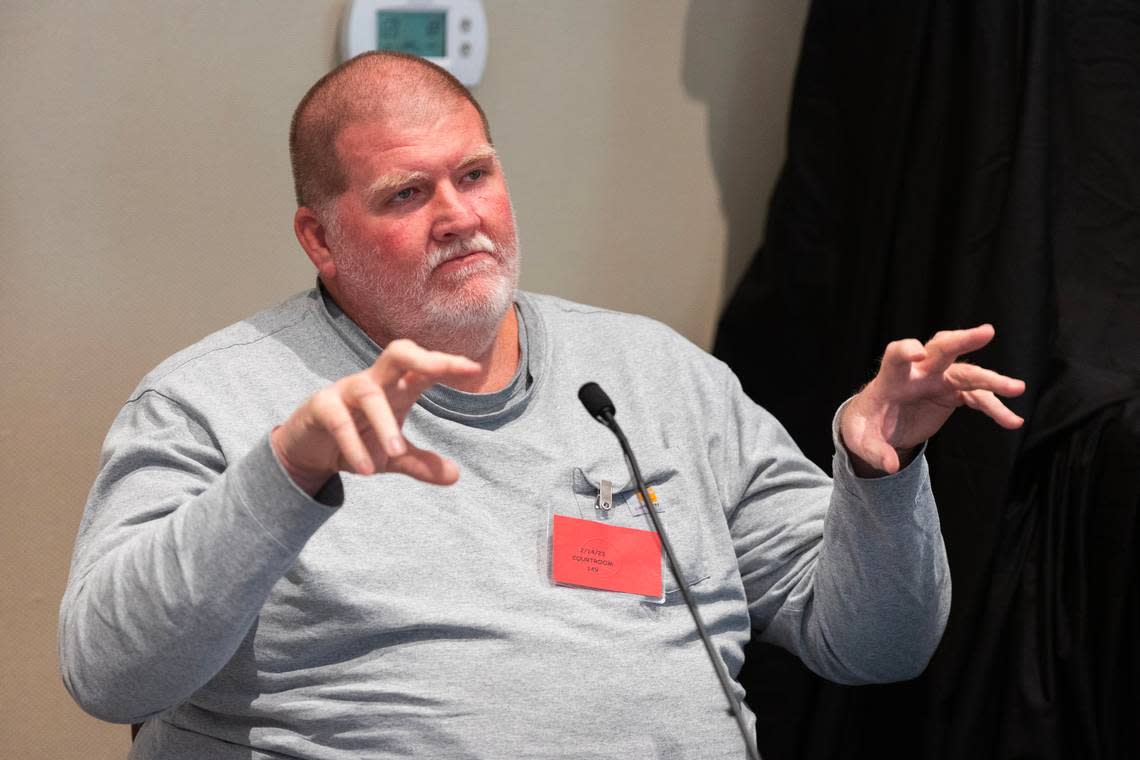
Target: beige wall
145,201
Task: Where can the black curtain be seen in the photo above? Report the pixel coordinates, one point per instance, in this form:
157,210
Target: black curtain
951,163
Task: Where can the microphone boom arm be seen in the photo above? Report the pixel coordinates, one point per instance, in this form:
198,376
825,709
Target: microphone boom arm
599,406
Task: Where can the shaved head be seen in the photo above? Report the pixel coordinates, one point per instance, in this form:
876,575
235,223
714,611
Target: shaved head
383,87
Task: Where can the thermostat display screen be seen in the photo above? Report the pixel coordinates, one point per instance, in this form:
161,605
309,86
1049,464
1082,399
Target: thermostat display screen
422,34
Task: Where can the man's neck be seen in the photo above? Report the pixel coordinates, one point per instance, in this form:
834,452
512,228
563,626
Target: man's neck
500,361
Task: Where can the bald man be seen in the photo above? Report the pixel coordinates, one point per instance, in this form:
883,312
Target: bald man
325,532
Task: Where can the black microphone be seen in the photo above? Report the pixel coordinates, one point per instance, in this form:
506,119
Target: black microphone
597,403
600,407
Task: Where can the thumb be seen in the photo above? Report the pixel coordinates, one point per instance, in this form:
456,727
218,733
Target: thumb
874,453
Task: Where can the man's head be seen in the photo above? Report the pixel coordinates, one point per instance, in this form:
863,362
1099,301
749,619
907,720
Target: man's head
370,87
402,203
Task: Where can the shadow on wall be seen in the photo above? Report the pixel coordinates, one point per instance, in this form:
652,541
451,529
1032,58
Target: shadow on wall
746,93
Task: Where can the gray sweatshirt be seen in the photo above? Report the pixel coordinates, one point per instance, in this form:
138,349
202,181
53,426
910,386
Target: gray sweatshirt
386,618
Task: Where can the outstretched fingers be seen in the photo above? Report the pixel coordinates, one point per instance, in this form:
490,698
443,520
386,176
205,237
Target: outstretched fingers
402,356
402,373
969,377
355,424
946,346
917,388
333,414
364,413
987,403
384,426
404,392
898,359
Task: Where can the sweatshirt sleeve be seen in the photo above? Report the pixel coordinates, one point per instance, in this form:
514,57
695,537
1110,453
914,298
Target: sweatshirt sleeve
177,551
849,574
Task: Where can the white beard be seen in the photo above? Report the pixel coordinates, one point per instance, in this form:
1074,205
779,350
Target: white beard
441,313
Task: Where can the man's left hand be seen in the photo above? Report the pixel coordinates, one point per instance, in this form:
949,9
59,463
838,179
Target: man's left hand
917,388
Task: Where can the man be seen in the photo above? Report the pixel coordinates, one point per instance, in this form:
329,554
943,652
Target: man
253,577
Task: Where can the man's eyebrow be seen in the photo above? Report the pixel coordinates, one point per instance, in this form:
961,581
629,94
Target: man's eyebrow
392,181
479,154
386,183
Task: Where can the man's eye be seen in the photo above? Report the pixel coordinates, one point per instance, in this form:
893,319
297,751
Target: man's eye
404,195
476,174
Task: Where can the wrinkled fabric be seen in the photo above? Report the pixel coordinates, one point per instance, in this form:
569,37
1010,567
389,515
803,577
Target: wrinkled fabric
950,164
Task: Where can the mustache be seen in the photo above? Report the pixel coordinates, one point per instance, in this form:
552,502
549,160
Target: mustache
458,248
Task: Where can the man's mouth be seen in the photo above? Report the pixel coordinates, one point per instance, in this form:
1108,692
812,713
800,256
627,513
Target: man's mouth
464,261
475,251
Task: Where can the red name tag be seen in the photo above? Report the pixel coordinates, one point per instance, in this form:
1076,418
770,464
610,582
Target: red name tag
607,557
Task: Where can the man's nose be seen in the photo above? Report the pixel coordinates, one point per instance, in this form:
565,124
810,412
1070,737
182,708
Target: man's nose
454,215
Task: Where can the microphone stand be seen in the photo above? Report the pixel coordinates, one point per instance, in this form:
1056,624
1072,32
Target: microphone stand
606,417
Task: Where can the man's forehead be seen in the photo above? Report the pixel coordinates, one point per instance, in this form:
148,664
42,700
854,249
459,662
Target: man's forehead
449,140
395,125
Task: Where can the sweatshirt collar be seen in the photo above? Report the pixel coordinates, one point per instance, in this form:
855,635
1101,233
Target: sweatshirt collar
475,409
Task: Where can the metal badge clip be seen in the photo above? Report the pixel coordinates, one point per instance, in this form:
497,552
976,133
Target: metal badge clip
605,500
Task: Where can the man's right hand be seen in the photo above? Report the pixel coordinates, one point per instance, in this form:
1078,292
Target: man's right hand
354,424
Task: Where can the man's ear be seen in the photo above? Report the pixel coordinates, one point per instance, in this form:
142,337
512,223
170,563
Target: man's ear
311,235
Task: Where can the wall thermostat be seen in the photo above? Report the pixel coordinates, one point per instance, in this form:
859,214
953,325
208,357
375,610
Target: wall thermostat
451,33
